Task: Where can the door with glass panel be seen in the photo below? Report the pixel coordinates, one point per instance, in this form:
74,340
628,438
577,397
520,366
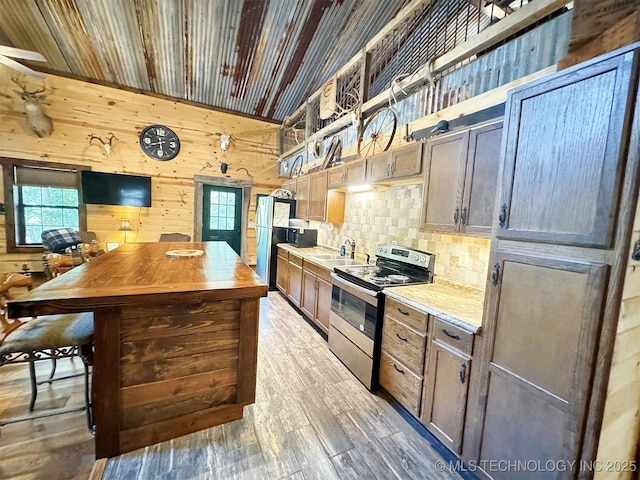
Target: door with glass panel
222,215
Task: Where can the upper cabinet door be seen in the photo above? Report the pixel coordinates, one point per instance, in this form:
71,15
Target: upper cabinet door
565,139
481,179
407,161
445,162
378,167
302,197
317,196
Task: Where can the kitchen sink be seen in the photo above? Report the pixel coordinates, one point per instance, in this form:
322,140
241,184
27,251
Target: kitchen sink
336,260
328,256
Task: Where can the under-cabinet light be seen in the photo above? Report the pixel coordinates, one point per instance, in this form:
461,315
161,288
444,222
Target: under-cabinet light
359,188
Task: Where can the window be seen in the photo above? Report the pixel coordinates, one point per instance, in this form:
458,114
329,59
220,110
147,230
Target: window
44,208
222,212
39,198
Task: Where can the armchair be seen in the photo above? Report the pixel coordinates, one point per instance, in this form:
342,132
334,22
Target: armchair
57,242
174,237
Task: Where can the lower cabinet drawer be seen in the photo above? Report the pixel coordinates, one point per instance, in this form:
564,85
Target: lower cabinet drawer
404,343
453,336
404,385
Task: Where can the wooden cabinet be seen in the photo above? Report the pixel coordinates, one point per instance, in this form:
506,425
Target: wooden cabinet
404,341
481,179
295,279
316,295
315,202
394,165
306,285
539,373
323,307
406,161
563,160
460,181
351,173
546,370
446,383
290,185
282,271
317,196
426,369
302,197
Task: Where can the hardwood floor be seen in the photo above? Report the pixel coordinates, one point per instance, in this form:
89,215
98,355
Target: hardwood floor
312,420
60,446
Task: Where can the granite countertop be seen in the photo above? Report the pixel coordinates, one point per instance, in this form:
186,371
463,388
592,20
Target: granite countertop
460,305
457,304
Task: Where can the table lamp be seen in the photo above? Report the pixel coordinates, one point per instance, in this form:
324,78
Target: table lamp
125,227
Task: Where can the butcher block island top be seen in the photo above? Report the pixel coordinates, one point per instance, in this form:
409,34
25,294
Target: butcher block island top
175,342
140,269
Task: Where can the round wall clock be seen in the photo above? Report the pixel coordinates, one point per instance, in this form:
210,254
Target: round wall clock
159,142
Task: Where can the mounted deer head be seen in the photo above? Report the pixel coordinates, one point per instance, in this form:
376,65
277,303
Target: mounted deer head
37,121
106,144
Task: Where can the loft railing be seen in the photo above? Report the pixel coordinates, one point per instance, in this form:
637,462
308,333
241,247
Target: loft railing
409,64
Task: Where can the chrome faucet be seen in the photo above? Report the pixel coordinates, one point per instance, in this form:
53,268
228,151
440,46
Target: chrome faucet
352,244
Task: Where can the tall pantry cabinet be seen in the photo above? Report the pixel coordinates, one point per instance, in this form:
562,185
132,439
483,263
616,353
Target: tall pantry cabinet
568,189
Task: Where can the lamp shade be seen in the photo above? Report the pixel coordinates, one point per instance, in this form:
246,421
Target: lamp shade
124,226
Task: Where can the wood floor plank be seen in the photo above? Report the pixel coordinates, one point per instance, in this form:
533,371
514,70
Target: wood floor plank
351,466
290,411
325,424
375,411
335,400
371,449
280,461
418,463
313,460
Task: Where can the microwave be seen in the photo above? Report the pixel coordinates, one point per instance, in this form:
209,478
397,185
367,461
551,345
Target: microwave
302,237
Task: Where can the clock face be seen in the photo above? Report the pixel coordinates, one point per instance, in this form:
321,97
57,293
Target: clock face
159,142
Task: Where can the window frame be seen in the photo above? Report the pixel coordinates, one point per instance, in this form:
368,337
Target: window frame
8,179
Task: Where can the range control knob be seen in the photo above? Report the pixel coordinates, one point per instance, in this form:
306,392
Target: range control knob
415,257
423,258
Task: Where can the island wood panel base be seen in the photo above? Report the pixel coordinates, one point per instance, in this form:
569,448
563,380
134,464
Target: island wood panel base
164,370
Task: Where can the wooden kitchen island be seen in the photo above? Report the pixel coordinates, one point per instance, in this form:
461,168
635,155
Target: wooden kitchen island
175,342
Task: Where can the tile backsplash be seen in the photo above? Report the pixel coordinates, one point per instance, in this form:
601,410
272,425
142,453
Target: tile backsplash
392,214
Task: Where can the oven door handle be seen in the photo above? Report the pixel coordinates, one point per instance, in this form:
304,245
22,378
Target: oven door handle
352,287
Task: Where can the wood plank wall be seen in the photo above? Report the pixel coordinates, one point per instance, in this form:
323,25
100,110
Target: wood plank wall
79,109
620,427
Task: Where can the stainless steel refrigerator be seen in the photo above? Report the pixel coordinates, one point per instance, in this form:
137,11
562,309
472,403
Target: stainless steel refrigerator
272,220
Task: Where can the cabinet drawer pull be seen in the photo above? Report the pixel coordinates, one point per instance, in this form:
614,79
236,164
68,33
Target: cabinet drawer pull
455,215
403,312
463,371
397,369
463,219
401,338
455,337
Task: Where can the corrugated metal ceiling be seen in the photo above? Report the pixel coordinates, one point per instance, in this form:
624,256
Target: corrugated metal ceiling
258,57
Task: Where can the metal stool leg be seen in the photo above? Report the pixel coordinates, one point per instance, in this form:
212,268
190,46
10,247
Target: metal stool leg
34,388
86,354
53,371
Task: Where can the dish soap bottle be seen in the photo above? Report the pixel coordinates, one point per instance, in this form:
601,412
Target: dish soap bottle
343,250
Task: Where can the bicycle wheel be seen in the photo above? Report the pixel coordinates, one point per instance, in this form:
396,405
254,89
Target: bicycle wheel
378,132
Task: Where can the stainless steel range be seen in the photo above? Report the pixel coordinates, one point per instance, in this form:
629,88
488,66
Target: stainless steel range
357,305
